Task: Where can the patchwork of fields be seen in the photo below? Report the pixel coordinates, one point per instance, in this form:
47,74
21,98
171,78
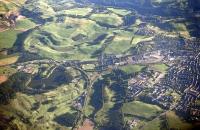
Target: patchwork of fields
71,64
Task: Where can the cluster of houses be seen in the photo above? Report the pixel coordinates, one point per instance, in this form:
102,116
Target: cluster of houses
189,103
176,77
30,69
10,18
180,76
133,123
160,97
78,103
144,30
159,91
183,77
110,61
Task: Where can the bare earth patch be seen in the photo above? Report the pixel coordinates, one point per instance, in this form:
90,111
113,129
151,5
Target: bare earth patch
87,125
3,78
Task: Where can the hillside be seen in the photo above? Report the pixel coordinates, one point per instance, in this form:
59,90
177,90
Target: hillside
99,65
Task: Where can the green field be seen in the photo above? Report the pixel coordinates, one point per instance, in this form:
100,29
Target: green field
76,11
5,7
141,109
24,24
9,59
102,115
7,71
129,69
160,67
10,5
175,122
155,124
137,38
122,12
47,109
110,19
120,44
63,31
42,7
181,28
76,35
8,38
144,113
63,40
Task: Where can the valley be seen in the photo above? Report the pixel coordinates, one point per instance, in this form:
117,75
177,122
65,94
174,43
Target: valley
99,65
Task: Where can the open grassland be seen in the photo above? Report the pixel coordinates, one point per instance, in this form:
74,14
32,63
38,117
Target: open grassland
138,38
107,114
155,124
141,109
8,60
10,5
41,7
102,106
49,110
160,67
175,122
132,68
120,44
5,72
4,7
181,28
76,11
122,12
77,38
143,113
107,18
63,40
24,24
87,28
8,38
8,71
102,116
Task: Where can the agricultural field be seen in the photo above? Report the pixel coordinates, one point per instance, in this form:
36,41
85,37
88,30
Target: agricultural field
174,121
141,110
24,24
129,69
143,114
50,106
182,28
138,38
5,73
120,44
160,67
10,5
10,59
62,40
76,12
155,124
122,12
108,18
41,7
97,65
8,38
